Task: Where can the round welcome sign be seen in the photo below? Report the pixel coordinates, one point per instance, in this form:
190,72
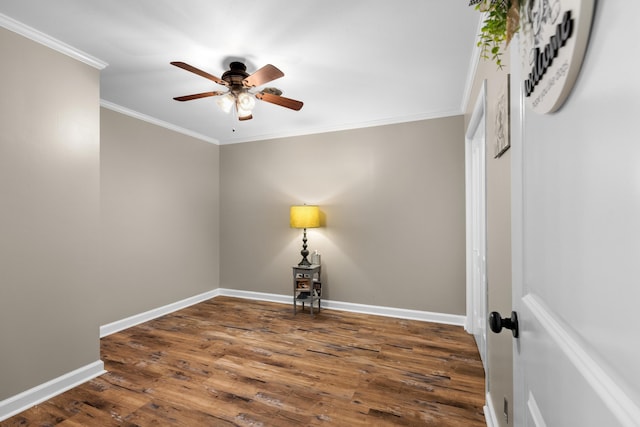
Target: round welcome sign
554,36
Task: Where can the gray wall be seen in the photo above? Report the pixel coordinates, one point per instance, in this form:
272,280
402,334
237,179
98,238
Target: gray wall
105,216
160,225
49,214
498,174
393,200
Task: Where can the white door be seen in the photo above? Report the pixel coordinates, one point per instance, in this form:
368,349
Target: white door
576,238
476,226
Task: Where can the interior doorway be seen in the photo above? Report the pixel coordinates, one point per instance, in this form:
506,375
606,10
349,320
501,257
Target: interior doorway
476,247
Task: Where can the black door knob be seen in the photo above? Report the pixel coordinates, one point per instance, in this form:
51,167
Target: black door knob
496,323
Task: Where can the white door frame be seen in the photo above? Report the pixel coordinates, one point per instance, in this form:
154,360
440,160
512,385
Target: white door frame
476,241
517,219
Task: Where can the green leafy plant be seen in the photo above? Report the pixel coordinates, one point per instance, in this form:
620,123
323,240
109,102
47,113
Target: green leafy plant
500,23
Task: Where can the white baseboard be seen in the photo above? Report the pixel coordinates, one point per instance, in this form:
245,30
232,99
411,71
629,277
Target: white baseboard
425,316
43,392
20,402
258,296
137,319
489,412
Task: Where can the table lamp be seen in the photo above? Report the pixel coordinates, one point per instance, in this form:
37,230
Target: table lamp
304,216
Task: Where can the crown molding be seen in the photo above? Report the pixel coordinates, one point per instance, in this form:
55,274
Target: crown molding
473,67
345,127
136,115
55,44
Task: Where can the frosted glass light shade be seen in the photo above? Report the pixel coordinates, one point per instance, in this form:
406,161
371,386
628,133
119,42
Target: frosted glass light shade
246,101
226,102
244,104
305,216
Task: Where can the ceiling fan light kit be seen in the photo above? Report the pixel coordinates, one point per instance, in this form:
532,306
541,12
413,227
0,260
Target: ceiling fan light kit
226,102
239,84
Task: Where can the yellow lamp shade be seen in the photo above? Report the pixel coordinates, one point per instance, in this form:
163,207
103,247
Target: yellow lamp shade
305,216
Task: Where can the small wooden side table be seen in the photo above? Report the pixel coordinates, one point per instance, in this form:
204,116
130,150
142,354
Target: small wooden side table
307,286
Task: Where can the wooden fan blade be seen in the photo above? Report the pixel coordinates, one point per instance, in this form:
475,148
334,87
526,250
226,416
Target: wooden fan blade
263,75
197,96
280,100
199,72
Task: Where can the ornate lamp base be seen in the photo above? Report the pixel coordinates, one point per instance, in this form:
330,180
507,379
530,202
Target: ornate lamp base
304,252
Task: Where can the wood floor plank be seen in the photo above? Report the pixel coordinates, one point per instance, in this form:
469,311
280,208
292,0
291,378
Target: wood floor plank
233,362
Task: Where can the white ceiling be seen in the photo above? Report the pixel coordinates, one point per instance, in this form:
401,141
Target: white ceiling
353,63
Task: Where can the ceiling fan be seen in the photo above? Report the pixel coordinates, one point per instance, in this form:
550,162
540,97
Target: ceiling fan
239,84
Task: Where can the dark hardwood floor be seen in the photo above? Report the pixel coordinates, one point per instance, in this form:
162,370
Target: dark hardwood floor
234,362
